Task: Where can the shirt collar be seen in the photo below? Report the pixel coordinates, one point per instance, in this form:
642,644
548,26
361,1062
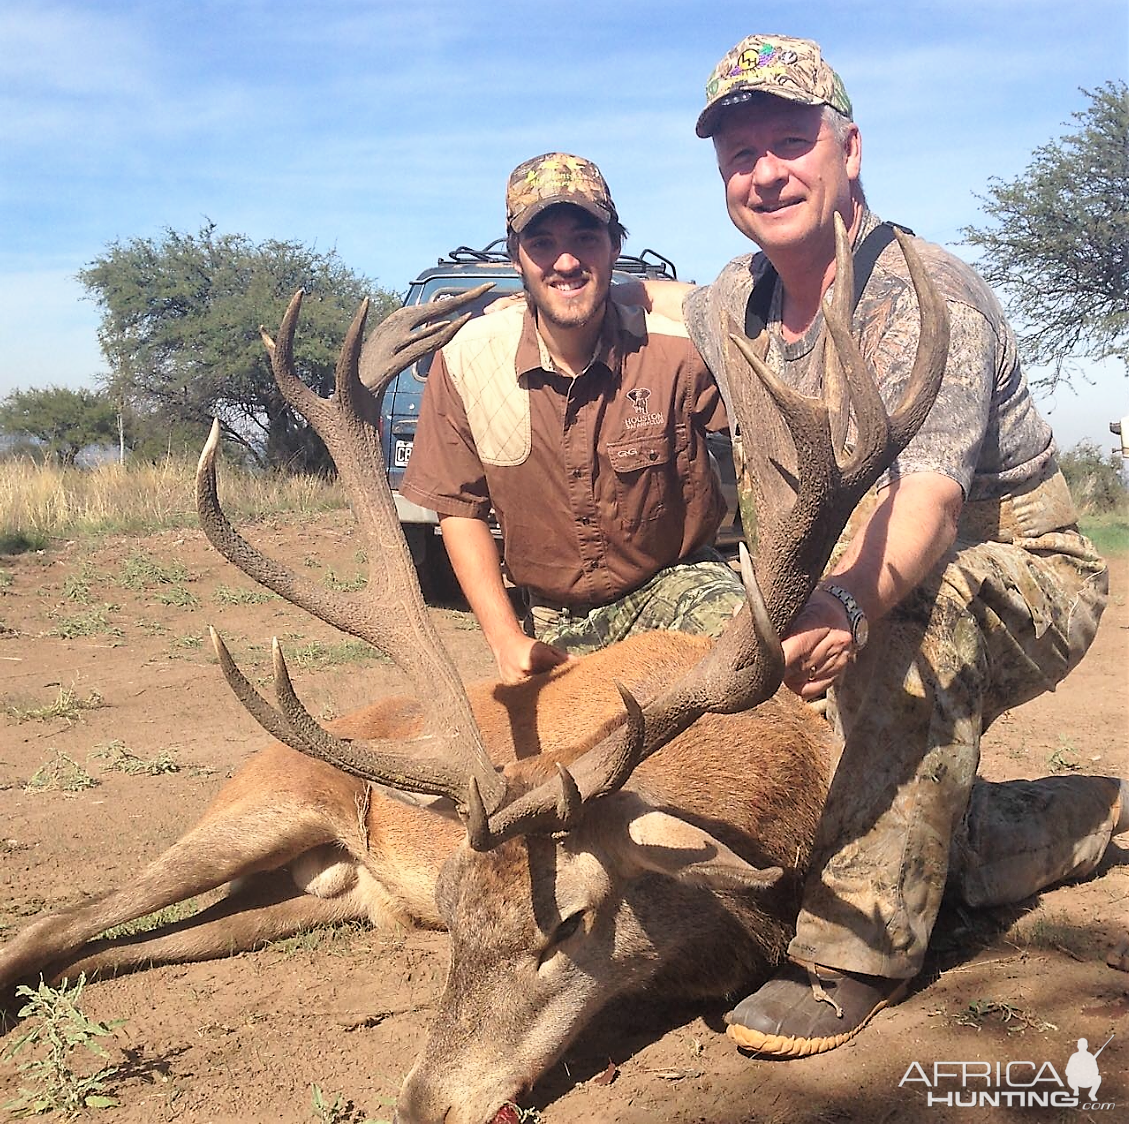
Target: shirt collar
622,328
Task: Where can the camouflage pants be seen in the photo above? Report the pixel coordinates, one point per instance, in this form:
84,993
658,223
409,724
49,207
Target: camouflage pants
995,625
697,595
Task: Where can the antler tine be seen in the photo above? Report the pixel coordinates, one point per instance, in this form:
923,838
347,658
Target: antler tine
882,435
294,726
396,344
390,614
254,703
557,805
835,387
362,759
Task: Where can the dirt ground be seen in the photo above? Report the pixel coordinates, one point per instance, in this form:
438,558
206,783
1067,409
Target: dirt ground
118,632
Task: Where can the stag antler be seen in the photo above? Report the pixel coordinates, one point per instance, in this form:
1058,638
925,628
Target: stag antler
795,535
390,612
799,441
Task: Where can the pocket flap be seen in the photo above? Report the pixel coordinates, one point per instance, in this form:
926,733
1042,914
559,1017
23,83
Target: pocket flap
640,452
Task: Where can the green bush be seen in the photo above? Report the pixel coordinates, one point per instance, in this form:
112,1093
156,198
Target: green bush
1096,479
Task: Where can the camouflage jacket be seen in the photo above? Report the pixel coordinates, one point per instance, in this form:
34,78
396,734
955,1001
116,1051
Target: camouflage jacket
983,431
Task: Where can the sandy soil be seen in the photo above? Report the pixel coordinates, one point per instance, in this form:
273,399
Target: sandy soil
243,1039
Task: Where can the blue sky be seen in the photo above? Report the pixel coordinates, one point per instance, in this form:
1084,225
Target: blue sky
386,130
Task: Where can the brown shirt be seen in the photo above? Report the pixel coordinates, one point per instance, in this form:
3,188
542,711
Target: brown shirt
597,481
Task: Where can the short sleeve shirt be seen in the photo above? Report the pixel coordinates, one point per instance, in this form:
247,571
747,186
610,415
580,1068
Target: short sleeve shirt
597,481
983,431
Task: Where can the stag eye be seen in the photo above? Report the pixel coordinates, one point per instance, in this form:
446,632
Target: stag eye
563,931
567,927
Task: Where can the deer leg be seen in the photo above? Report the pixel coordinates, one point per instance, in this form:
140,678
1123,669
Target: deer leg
231,842
266,907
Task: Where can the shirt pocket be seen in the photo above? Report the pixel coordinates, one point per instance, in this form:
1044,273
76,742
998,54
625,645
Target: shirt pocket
642,468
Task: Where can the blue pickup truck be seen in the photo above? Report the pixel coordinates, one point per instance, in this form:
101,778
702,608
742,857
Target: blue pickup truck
464,268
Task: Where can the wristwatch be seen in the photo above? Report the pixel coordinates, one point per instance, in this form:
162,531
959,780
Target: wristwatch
860,630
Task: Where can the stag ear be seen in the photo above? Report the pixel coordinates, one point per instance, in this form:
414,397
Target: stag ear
656,842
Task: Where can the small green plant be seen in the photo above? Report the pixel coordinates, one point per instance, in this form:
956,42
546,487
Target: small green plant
141,572
316,654
63,774
178,911
76,587
225,595
178,596
190,641
120,760
67,705
1065,759
6,579
337,1111
344,585
59,1031
93,622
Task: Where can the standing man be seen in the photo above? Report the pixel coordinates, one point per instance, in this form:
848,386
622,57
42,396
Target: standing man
964,589
583,425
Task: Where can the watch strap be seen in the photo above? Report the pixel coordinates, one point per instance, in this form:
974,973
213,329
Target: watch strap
855,615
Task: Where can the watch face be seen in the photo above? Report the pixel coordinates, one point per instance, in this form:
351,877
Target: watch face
862,632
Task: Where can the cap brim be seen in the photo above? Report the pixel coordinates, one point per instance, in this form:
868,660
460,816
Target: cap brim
707,120
518,224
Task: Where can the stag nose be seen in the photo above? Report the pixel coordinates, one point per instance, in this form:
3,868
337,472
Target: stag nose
413,1110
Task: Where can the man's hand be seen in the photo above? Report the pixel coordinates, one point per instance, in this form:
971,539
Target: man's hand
521,657
819,646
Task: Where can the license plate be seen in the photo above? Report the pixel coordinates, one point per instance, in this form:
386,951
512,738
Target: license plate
400,453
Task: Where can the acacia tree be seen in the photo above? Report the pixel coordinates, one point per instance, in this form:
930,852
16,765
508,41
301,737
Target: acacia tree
180,332
1059,249
62,421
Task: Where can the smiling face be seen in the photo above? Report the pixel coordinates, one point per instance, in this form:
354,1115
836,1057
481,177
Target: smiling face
786,173
565,257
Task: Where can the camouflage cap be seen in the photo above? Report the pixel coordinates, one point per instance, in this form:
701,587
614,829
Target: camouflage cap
556,177
772,64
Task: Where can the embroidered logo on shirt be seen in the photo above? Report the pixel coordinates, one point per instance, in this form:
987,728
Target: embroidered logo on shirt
639,399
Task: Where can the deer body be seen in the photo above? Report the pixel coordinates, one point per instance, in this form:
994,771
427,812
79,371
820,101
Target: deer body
637,819
304,843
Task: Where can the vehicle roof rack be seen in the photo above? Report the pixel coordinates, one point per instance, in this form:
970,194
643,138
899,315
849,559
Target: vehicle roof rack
648,262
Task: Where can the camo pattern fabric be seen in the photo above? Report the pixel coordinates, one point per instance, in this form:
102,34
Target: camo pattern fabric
698,596
556,177
995,625
772,64
983,431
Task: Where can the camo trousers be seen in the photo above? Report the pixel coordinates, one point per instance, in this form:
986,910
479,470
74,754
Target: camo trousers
697,595
996,624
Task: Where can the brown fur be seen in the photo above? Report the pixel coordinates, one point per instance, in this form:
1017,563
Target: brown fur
305,844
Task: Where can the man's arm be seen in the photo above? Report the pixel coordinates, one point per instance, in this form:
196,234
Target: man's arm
661,297
474,558
904,537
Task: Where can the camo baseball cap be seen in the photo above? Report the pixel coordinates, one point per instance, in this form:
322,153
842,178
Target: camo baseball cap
556,177
772,64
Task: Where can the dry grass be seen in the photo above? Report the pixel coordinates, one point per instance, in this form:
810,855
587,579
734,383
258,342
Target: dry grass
39,503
